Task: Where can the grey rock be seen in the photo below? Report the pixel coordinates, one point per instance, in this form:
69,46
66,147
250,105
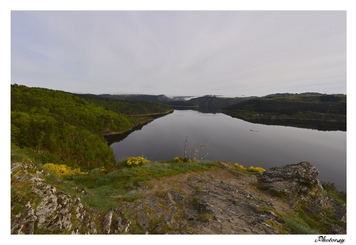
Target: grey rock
143,219
107,221
291,180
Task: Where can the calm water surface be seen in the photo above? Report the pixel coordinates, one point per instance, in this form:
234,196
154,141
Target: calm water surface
235,140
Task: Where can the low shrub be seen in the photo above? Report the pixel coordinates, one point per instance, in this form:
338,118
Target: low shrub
182,160
62,170
132,161
249,169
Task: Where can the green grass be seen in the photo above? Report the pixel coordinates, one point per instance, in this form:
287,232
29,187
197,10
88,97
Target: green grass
103,188
106,189
332,192
302,223
296,225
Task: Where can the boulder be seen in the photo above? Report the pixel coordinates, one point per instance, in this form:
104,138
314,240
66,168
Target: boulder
292,180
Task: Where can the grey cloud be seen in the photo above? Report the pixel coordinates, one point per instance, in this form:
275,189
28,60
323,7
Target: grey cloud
188,52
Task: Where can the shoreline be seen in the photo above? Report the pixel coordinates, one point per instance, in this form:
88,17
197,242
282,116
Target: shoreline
155,116
151,114
129,129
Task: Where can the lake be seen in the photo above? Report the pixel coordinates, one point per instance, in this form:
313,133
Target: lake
235,140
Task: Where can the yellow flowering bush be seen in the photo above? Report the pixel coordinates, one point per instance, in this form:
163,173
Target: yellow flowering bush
132,161
255,169
182,160
239,166
62,170
250,169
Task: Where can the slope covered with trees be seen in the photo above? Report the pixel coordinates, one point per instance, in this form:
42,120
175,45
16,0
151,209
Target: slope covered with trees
62,127
128,107
307,108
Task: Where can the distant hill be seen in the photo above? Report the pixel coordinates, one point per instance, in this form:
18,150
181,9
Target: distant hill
308,110
290,108
214,103
130,105
205,103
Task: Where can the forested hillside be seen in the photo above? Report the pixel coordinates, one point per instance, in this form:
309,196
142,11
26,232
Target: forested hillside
62,127
127,107
213,103
297,107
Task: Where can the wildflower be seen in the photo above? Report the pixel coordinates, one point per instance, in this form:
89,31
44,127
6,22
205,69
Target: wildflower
62,170
136,161
250,169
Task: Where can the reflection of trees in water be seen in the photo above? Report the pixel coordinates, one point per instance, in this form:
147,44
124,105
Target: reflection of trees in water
310,124
114,138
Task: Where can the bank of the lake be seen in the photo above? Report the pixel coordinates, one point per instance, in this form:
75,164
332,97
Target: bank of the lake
148,117
235,140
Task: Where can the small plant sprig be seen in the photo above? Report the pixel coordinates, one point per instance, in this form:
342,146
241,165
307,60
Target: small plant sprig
194,152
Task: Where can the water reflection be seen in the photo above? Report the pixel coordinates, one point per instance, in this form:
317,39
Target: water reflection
318,125
115,138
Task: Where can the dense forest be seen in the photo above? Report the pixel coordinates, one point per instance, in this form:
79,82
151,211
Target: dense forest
214,103
128,107
312,110
62,127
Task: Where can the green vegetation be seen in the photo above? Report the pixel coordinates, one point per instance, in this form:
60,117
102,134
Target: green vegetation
296,225
249,169
121,105
61,134
301,222
62,128
107,188
306,110
304,219
21,193
206,103
136,161
62,171
334,193
103,188
286,109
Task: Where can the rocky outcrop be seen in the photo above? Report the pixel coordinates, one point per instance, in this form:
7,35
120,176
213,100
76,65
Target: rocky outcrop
220,201
298,184
293,181
55,211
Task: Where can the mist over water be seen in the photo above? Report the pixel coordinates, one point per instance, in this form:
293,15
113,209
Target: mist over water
235,140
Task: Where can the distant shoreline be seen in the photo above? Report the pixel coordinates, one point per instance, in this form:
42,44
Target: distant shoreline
155,115
150,114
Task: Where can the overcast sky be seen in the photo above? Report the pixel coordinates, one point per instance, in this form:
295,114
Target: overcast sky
230,53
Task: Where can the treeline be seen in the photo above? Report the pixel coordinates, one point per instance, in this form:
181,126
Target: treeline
214,103
126,107
289,108
63,127
307,106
